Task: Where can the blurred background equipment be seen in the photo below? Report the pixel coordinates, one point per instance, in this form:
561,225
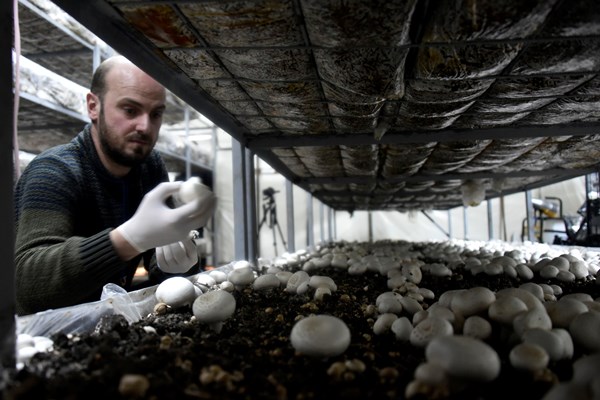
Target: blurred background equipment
270,216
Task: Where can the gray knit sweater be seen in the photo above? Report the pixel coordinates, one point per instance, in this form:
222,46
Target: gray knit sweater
66,203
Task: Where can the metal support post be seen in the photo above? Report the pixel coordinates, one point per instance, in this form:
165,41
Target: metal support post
289,198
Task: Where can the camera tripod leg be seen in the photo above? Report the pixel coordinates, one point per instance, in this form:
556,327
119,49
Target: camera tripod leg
281,236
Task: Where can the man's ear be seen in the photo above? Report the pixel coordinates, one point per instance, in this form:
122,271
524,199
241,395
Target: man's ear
93,106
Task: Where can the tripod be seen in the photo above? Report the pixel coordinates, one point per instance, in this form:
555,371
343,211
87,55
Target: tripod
270,211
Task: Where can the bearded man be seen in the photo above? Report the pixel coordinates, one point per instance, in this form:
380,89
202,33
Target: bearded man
91,211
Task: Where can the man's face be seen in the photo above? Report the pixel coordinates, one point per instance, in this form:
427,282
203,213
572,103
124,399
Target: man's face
130,116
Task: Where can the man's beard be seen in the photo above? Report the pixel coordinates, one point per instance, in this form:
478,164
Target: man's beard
114,153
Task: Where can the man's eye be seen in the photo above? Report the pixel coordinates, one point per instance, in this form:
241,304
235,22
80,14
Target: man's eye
129,111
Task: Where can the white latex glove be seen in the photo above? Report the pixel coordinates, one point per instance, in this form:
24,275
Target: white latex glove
176,258
156,224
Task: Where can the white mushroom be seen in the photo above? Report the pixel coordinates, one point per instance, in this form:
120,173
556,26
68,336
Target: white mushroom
464,357
567,390
296,280
206,281
550,340
584,329
477,327
133,386
389,302
321,292
283,277
266,281
214,308
472,301
176,292
383,323
317,281
242,275
505,309
320,336
218,276
565,310
193,189
534,289
430,373
585,369
428,329
536,318
530,300
410,305
402,327
529,357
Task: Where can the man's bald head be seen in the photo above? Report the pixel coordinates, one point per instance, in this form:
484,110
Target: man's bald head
99,79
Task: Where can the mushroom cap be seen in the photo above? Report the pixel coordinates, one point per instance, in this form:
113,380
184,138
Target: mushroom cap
320,336
241,276
584,329
266,281
175,292
472,301
193,189
428,329
464,357
529,356
214,306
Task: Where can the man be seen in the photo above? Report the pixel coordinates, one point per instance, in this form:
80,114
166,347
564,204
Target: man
88,212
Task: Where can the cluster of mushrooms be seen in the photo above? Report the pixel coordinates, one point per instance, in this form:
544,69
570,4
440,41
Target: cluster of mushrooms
545,325
541,323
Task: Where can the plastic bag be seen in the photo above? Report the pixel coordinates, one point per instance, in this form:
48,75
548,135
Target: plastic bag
83,318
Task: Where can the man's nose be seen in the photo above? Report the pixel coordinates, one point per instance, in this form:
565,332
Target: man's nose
143,123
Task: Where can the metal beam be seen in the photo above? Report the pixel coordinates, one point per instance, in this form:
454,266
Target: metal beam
273,140
250,198
490,220
50,127
240,211
169,153
435,223
59,53
66,31
310,236
555,172
530,215
289,198
54,107
7,244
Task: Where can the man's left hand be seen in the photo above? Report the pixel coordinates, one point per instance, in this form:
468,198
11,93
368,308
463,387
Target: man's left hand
178,257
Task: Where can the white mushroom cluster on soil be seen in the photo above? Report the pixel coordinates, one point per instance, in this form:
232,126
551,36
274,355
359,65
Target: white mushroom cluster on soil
428,320
540,325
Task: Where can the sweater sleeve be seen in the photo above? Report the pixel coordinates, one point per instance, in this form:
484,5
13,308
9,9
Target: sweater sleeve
55,267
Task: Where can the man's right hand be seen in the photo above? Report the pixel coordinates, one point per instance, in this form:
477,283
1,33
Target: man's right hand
155,224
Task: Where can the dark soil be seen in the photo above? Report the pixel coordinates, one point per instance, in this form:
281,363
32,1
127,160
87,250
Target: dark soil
252,358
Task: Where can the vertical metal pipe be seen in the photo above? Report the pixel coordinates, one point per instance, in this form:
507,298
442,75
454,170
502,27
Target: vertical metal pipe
250,197
370,218
530,213
490,220
188,144
449,225
330,223
310,236
7,170
465,224
335,224
96,58
289,198
322,221
214,240
239,203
